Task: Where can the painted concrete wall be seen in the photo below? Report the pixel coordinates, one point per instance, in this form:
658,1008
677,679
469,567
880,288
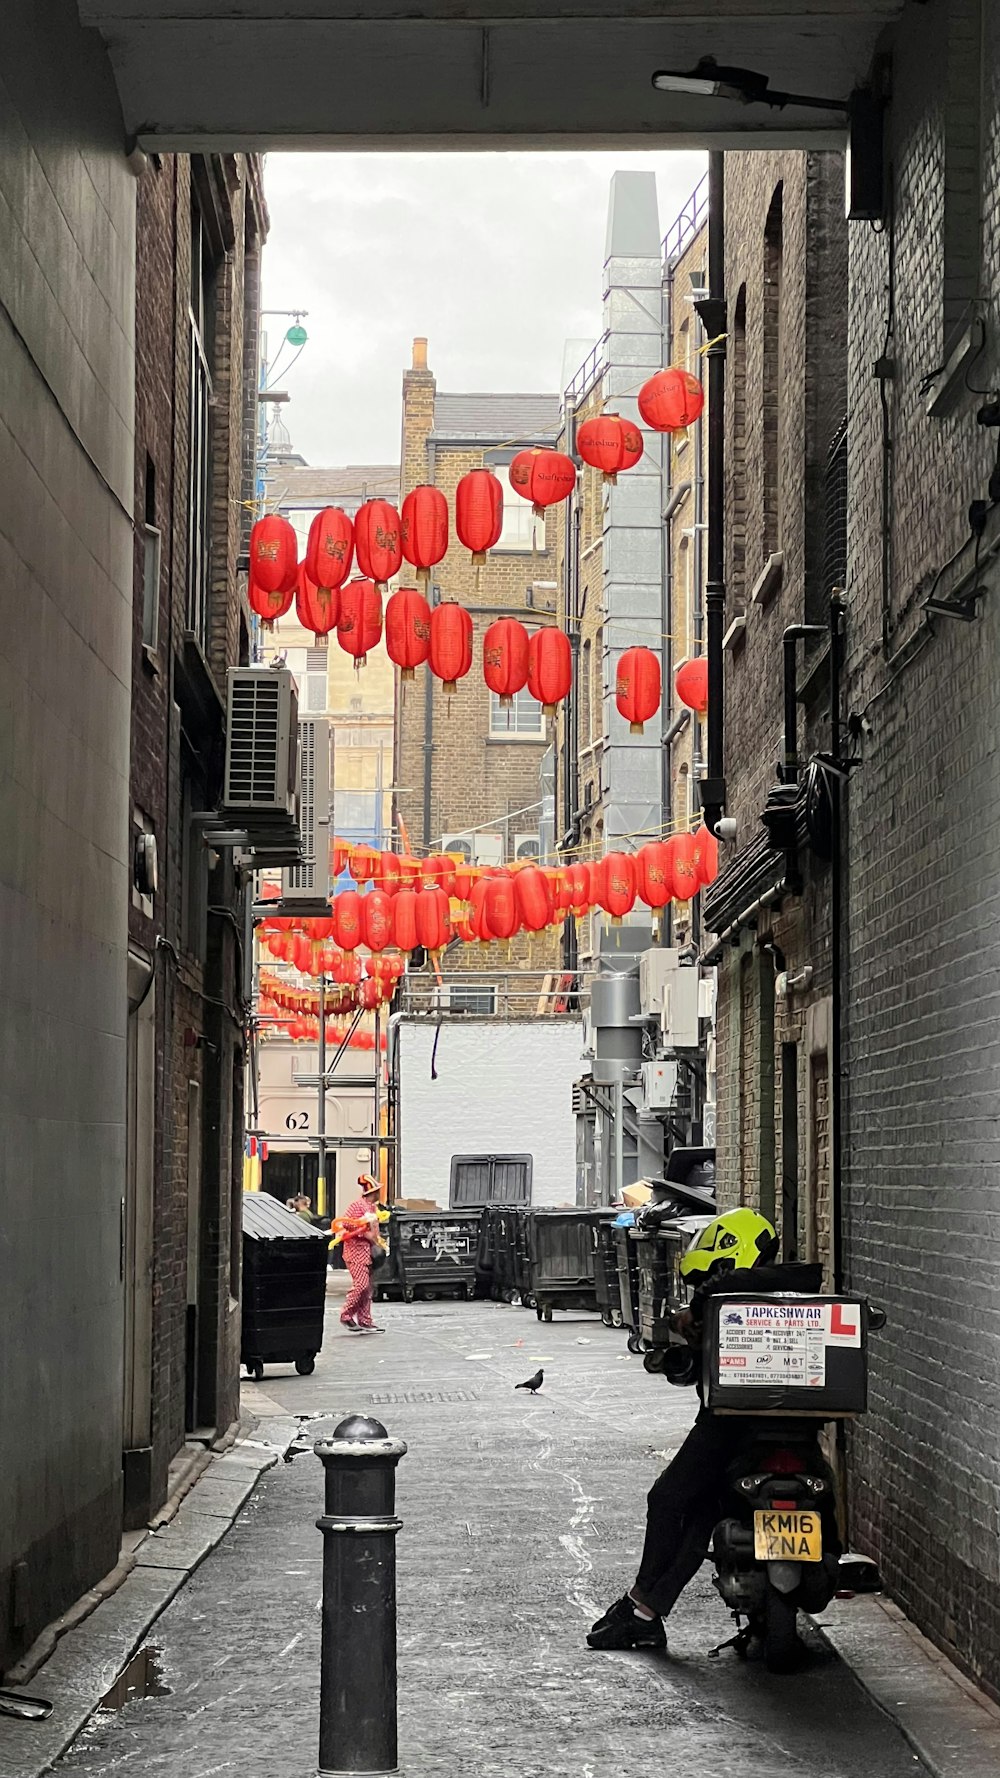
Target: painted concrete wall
500,1089
67,208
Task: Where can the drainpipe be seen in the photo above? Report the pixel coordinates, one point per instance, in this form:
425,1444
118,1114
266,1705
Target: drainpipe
712,787
837,614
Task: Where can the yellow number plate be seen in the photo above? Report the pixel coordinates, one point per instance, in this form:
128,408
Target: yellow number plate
787,1537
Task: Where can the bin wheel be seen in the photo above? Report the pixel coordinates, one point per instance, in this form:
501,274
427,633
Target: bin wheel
430,1296
538,1312
654,1361
529,1302
607,1318
409,1294
546,1314
634,1343
470,1291
255,1368
617,1318
305,1366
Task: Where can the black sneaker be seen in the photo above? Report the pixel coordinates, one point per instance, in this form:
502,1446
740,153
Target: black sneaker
622,1627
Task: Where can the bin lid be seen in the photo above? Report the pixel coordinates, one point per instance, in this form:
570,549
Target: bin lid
264,1219
682,1161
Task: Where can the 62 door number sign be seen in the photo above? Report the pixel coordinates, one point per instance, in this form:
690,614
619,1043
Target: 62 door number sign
297,1120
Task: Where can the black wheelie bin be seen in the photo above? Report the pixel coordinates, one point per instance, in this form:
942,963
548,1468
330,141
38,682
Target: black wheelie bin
284,1286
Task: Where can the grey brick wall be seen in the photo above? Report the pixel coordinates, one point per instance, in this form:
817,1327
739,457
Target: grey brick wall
923,1059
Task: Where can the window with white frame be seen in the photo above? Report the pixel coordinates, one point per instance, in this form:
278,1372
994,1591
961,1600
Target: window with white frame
522,530
475,997
522,717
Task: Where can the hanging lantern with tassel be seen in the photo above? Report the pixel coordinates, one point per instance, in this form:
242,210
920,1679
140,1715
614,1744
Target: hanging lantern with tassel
550,668
638,687
505,659
407,630
610,444
479,512
450,652
424,530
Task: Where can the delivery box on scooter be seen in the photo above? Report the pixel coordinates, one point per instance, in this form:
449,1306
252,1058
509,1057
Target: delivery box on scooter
784,1354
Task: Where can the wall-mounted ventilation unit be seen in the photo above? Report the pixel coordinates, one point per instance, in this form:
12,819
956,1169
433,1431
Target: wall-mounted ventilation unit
527,845
311,879
261,746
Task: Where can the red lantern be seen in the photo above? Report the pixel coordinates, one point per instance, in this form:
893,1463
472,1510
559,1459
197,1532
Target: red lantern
691,684
302,954
532,899
561,894
706,856
550,668
363,863
683,849
404,920
376,920
377,541
617,895
543,477
371,995
433,925
316,607
478,921
274,555
439,868
424,529
479,512
346,968
655,874
505,658
463,877
450,654
500,906
359,625
269,606
609,443
637,687
671,400
410,873
389,874
347,920
578,878
330,550
408,630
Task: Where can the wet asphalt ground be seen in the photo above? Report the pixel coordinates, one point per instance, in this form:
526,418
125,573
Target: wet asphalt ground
522,1520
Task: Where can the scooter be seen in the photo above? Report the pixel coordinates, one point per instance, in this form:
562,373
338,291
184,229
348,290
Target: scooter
777,1549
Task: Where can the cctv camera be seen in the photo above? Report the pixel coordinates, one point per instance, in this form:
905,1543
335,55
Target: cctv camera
725,830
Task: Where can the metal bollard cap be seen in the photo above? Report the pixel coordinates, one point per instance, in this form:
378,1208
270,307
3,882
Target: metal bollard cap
358,1438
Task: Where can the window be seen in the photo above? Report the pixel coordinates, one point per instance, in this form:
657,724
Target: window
315,701
523,717
150,562
478,1179
772,371
522,530
587,694
475,997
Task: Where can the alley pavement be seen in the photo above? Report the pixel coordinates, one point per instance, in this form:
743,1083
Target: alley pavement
522,1518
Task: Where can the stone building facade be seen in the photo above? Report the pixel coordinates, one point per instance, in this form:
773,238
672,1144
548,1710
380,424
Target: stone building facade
200,227
468,772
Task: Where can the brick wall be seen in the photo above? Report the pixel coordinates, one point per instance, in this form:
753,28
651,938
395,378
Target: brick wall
175,739
478,779
786,392
922,1058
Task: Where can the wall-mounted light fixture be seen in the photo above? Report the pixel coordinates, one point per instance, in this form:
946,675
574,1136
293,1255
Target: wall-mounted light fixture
865,165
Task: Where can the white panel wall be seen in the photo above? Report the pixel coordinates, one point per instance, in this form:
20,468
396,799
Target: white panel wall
500,1089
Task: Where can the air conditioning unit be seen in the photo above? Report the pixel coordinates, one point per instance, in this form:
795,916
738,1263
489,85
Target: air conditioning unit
311,879
527,845
488,848
261,746
680,1008
459,843
655,969
659,1084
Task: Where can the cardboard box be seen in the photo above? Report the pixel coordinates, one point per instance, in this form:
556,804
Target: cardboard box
786,1355
417,1204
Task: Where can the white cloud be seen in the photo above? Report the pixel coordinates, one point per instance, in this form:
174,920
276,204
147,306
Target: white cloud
496,258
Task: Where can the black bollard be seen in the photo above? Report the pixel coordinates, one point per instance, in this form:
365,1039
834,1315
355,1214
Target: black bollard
357,1701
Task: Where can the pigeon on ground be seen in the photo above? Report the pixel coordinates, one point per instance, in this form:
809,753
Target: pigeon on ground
534,1383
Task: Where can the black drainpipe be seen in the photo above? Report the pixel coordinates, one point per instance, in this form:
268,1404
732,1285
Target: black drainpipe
712,309
837,613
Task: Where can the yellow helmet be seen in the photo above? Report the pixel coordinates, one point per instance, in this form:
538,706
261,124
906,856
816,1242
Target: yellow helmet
738,1237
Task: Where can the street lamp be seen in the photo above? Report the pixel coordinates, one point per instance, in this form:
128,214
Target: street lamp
863,111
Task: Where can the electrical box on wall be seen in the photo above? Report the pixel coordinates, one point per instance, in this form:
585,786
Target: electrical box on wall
655,969
680,1009
659,1084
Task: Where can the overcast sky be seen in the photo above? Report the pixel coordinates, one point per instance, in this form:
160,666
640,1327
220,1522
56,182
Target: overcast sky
496,258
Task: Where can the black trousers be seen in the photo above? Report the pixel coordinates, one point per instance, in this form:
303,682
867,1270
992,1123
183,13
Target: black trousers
682,1509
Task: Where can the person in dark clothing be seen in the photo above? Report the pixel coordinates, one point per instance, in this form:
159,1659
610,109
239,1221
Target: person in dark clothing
734,1252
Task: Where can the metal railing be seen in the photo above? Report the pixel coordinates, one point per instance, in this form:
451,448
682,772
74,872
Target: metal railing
686,225
490,993
589,374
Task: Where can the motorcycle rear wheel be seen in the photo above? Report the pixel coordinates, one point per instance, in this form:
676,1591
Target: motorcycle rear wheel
782,1648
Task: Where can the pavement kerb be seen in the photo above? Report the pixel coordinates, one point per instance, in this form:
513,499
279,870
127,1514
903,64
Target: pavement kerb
83,1655
952,1727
